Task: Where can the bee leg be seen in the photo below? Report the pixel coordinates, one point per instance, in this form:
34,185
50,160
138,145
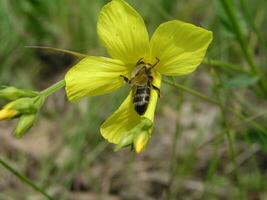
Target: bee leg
155,63
126,79
157,89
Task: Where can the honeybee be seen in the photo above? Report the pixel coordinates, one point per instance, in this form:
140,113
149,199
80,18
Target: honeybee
141,85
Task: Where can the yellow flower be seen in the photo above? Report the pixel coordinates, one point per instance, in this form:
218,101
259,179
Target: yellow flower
24,108
179,47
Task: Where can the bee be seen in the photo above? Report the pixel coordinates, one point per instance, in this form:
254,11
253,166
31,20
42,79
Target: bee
141,85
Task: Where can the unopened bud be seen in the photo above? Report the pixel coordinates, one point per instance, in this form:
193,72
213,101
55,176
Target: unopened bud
13,93
8,113
25,122
138,136
140,141
25,105
21,106
125,141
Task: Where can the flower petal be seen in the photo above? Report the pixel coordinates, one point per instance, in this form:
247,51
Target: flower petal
94,76
120,123
153,97
123,32
7,114
179,46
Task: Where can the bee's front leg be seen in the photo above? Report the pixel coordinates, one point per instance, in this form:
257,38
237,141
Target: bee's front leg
155,63
126,79
157,89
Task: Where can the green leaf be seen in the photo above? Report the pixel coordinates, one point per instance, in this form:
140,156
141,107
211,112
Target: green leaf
241,81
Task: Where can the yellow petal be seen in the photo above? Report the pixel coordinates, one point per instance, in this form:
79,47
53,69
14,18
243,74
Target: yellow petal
149,114
140,141
179,46
123,32
122,121
6,113
94,76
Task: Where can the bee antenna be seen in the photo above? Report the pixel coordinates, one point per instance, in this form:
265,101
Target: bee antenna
140,61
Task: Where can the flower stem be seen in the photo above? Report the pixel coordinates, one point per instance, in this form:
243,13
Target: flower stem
191,91
52,89
225,66
208,99
24,179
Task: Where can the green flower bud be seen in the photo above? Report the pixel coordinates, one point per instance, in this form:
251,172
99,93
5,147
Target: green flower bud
25,122
24,105
28,105
125,141
138,136
21,106
13,93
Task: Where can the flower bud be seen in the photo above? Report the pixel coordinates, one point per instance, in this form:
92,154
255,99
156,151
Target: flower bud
125,141
8,113
23,105
140,141
25,122
13,93
138,136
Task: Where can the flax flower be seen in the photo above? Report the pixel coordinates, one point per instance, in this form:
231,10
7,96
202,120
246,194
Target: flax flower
179,47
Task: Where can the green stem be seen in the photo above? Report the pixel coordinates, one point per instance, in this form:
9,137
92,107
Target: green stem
52,89
223,65
230,11
24,179
73,53
208,99
191,91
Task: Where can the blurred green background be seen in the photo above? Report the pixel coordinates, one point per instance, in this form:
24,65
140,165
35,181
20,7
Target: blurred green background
199,150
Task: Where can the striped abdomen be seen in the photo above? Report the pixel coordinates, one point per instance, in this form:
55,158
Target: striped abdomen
141,98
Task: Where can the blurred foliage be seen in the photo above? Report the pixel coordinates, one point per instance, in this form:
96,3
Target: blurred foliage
189,155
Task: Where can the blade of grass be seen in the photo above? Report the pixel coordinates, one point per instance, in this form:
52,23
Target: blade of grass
228,132
173,162
253,26
229,9
25,180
